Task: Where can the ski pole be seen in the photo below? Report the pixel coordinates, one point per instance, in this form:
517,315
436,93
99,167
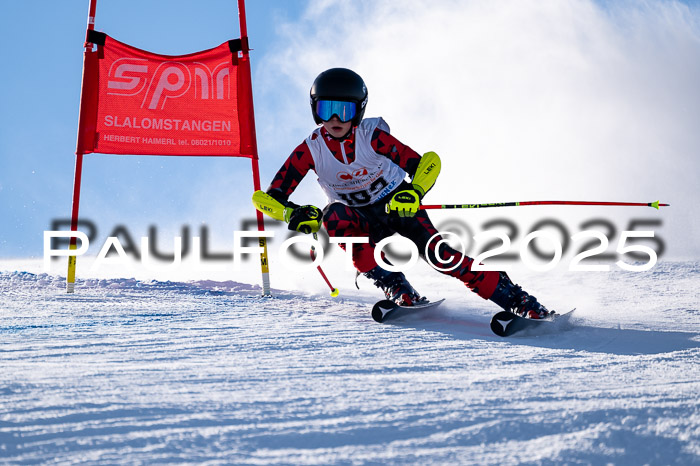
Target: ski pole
655,205
334,291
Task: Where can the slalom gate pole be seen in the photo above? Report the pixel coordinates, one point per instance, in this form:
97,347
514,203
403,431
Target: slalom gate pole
70,277
249,124
655,204
334,291
77,177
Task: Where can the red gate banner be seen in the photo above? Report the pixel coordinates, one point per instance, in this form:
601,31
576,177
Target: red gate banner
147,104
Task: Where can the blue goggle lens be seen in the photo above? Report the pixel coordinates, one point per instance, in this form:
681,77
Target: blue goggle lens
346,111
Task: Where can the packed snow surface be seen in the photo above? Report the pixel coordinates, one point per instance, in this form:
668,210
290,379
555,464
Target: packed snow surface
139,371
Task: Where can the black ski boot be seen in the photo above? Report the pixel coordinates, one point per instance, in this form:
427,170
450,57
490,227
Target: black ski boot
511,297
395,286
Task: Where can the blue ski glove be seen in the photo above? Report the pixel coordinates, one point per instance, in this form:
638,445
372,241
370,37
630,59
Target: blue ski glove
404,203
305,219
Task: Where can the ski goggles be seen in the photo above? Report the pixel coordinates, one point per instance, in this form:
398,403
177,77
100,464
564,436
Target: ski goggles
346,111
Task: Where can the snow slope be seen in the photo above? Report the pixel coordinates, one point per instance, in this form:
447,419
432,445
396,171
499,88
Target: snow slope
136,371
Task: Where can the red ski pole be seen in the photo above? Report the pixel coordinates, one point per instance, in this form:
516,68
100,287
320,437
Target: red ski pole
334,291
655,204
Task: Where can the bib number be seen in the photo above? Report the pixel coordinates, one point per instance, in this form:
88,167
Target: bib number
364,196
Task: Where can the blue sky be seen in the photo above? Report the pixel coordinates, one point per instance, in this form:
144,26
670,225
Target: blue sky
523,100
40,96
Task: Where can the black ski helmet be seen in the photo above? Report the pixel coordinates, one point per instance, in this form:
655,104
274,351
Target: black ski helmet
339,84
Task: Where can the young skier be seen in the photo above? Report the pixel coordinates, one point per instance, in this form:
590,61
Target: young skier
363,171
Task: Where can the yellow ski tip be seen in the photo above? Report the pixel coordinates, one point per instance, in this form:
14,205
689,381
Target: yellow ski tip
335,292
657,204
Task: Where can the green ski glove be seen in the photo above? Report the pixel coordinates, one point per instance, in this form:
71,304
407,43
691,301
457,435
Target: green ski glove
404,203
306,219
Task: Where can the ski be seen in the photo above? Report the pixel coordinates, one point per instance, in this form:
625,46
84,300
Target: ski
506,323
386,309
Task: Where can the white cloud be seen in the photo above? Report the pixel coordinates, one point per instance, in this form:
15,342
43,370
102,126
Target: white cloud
523,100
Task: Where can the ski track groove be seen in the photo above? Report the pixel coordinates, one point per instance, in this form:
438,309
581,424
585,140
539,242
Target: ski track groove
130,371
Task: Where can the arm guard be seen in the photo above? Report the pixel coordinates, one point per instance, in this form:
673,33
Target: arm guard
271,206
426,173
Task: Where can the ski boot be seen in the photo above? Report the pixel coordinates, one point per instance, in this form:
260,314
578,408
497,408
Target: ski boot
395,286
513,298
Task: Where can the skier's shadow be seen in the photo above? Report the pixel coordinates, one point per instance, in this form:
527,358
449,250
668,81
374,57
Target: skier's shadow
574,334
